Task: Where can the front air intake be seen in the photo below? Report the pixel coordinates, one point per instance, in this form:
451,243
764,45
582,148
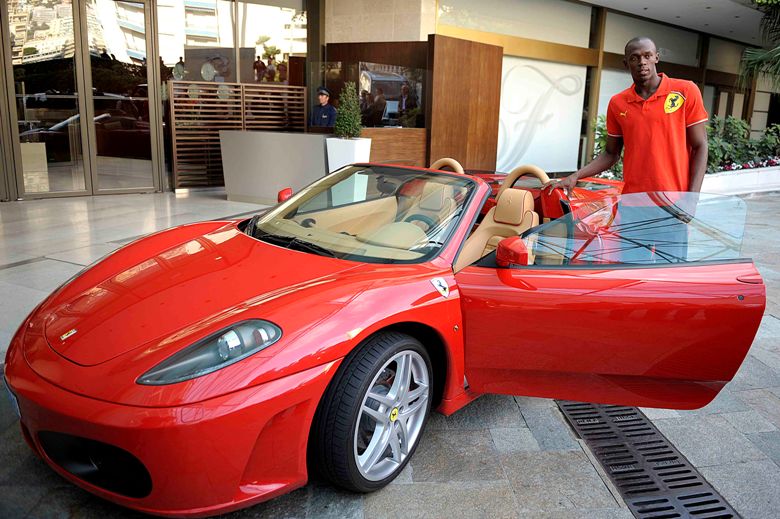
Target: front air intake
98,463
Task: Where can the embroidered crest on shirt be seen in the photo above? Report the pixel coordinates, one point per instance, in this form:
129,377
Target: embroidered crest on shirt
623,114
673,102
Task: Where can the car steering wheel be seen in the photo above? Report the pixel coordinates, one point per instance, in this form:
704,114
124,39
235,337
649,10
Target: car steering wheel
427,220
447,161
525,169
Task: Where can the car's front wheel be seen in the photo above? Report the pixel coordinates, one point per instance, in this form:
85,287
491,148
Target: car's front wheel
373,413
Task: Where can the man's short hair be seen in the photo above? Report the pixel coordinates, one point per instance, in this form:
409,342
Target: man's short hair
637,39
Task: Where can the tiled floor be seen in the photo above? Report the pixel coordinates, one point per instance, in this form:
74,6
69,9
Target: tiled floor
501,456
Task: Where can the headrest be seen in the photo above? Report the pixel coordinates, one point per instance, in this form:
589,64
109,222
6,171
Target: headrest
512,205
432,198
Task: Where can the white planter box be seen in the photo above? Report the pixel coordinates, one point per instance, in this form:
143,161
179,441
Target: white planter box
347,151
742,181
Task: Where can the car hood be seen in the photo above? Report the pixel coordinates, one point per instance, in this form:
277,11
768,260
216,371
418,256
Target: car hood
157,287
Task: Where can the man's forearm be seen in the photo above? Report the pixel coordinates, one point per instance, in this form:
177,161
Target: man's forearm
698,167
601,163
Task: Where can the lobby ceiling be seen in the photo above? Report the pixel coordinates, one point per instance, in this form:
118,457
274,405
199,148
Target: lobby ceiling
732,19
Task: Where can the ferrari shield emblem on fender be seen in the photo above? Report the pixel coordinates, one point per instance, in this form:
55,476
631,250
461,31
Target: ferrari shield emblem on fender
673,102
441,285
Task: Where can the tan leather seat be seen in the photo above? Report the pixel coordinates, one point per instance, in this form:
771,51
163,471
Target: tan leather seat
434,204
512,215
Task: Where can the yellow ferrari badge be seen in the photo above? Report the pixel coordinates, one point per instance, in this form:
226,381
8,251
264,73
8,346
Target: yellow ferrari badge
673,102
394,414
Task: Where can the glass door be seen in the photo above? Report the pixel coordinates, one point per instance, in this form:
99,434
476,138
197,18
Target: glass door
46,98
120,126
80,118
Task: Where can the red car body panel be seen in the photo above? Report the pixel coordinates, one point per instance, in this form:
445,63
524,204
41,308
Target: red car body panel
711,314
239,435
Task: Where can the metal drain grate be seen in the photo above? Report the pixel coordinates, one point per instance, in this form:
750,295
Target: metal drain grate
655,480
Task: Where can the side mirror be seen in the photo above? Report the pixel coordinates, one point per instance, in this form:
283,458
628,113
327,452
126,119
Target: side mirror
511,251
284,194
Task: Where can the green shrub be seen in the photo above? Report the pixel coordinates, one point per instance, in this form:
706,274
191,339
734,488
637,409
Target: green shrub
600,137
348,116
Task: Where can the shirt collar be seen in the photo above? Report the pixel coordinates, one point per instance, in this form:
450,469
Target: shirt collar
663,89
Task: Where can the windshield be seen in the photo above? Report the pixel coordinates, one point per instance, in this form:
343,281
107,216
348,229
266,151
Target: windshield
369,213
642,229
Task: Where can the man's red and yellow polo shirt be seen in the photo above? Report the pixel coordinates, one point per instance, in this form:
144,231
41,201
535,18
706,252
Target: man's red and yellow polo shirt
657,153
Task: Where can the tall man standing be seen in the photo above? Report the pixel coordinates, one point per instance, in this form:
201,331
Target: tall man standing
659,121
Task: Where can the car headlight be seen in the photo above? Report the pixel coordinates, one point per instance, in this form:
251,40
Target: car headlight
216,351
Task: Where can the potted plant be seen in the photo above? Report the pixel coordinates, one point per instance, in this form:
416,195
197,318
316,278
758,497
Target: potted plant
347,147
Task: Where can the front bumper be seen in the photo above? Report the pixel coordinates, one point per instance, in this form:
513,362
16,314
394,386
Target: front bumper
214,456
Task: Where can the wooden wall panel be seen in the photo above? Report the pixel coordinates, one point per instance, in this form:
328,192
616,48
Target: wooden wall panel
405,146
464,89
412,54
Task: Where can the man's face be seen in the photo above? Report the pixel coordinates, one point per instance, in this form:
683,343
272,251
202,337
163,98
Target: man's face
405,90
323,97
640,59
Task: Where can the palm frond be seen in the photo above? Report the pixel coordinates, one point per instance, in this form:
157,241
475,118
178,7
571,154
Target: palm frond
761,61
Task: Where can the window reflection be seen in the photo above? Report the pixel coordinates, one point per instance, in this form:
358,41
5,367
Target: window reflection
46,98
269,35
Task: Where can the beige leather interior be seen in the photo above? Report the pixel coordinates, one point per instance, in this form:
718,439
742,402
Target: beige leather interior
512,215
519,171
448,161
435,203
352,219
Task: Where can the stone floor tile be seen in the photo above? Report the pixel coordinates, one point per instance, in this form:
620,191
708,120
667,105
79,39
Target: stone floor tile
751,488
513,439
765,402
467,500
658,414
748,422
529,402
289,506
43,276
405,477
708,440
456,455
71,501
598,513
754,374
768,443
770,328
436,422
84,255
16,304
556,480
550,429
329,502
725,402
487,411
18,500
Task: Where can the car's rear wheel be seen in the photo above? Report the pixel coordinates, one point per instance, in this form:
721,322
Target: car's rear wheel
374,412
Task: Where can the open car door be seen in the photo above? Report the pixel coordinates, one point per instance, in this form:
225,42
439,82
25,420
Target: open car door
639,299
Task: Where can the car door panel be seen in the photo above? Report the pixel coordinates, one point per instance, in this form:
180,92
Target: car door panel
658,336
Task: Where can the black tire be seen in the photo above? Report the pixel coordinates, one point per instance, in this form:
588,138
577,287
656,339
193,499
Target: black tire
336,421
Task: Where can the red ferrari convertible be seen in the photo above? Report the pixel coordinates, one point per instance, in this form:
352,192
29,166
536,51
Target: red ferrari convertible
212,366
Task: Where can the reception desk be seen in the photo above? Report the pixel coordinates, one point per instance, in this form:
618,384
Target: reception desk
257,165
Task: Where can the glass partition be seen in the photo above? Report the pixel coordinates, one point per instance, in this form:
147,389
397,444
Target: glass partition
120,96
389,95
46,96
269,33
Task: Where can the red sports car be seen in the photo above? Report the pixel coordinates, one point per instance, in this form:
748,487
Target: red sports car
212,366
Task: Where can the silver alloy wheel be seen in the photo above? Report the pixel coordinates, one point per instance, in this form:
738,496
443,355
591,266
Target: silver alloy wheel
391,415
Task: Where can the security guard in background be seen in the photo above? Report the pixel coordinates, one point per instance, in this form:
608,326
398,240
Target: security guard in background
323,114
